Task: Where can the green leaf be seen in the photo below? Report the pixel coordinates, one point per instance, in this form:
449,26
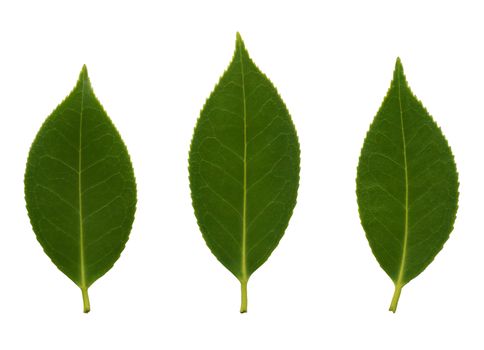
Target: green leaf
80,188
407,186
244,168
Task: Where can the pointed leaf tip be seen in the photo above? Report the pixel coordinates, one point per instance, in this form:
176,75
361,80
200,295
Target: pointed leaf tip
398,73
239,43
84,70
84,78
399,65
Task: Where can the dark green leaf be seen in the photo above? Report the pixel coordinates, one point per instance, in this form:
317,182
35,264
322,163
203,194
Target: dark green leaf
407,186
80,188
244,168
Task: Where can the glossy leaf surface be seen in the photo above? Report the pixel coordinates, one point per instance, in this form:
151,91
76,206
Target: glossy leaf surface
80,188
244,168
407,186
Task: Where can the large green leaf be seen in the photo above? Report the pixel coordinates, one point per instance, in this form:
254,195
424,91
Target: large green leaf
244,168
80,188
407,186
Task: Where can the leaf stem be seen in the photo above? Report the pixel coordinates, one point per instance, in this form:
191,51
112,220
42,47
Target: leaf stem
243,290
396,297
85,300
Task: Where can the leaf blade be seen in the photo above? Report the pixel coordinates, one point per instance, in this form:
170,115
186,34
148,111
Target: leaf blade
80,189
406,167
243,130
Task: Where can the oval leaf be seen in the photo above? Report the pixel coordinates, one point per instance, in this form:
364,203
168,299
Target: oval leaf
80,188
407,186
244,168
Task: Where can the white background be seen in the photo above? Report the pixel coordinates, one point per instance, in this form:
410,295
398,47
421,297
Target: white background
152,65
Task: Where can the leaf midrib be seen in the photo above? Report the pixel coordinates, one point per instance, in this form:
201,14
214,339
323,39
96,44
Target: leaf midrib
81,223
244,276
399,283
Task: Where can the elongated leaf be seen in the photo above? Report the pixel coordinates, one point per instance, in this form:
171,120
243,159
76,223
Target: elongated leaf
244,168
80,188
407,186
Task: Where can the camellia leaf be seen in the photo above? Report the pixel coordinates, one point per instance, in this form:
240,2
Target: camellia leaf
80,188
244,168
407,186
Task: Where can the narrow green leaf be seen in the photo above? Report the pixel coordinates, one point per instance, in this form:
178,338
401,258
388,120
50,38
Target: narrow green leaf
244,168
407,186
80,188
